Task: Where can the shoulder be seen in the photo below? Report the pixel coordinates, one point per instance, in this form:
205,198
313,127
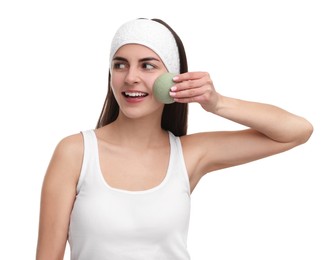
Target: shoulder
65,164
204,147
195,143
194,140
194,148
71,145
69,152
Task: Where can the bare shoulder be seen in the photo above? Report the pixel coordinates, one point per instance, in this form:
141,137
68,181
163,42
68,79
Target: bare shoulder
196,144
209,151
70,148
195,147
68,156
192,141
71,145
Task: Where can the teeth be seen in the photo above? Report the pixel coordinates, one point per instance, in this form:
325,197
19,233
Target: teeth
135,94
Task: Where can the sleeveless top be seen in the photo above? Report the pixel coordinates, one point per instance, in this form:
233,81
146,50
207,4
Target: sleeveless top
114,224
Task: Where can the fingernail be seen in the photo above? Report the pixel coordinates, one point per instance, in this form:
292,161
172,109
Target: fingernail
172,94
175,78
173,88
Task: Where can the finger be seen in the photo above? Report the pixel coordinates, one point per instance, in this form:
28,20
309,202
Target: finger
189,76
184,85
198,99
187,93
190,84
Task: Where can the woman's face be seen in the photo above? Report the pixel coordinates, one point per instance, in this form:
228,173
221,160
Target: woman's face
134,69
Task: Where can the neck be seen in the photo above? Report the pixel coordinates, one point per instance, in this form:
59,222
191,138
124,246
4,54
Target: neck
141,132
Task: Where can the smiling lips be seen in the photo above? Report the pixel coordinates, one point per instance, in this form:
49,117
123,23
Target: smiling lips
134,96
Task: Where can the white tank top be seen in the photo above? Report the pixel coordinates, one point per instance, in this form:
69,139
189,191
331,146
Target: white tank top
114,224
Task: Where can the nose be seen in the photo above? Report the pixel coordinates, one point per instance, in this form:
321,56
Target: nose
132,76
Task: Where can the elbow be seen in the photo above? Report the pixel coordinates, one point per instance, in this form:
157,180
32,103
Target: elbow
306,132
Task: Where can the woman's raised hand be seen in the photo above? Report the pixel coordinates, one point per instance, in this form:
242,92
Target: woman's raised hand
195,87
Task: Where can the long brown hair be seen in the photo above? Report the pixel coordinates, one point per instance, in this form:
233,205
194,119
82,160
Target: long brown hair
174,116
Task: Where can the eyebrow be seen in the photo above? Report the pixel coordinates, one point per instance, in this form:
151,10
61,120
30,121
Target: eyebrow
118,58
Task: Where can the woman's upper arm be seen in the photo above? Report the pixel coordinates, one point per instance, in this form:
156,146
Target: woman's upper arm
57,197
206,152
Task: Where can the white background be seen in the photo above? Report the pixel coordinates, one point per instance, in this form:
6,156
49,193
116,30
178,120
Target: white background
53,80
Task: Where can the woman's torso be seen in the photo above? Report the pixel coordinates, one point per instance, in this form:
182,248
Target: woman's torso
109,222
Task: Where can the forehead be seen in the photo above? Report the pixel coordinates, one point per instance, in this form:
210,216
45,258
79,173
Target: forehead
136,51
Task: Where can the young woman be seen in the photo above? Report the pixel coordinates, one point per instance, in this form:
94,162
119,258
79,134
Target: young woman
122,190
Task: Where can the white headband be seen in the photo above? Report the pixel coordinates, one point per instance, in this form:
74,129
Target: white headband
151,34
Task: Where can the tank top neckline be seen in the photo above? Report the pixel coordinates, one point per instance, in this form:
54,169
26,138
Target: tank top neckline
135,192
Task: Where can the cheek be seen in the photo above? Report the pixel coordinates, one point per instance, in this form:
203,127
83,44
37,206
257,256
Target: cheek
150,81
115,82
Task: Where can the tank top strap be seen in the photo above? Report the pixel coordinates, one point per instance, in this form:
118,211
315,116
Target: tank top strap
178,163
89,155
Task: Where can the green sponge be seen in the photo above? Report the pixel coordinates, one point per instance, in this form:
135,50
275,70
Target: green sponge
162,87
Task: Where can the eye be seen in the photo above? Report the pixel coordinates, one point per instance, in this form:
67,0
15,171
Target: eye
119,65
147,66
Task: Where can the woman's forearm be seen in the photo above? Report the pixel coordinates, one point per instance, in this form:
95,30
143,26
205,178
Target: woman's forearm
274,122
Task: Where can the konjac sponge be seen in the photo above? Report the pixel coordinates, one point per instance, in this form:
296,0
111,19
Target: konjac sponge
162,87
